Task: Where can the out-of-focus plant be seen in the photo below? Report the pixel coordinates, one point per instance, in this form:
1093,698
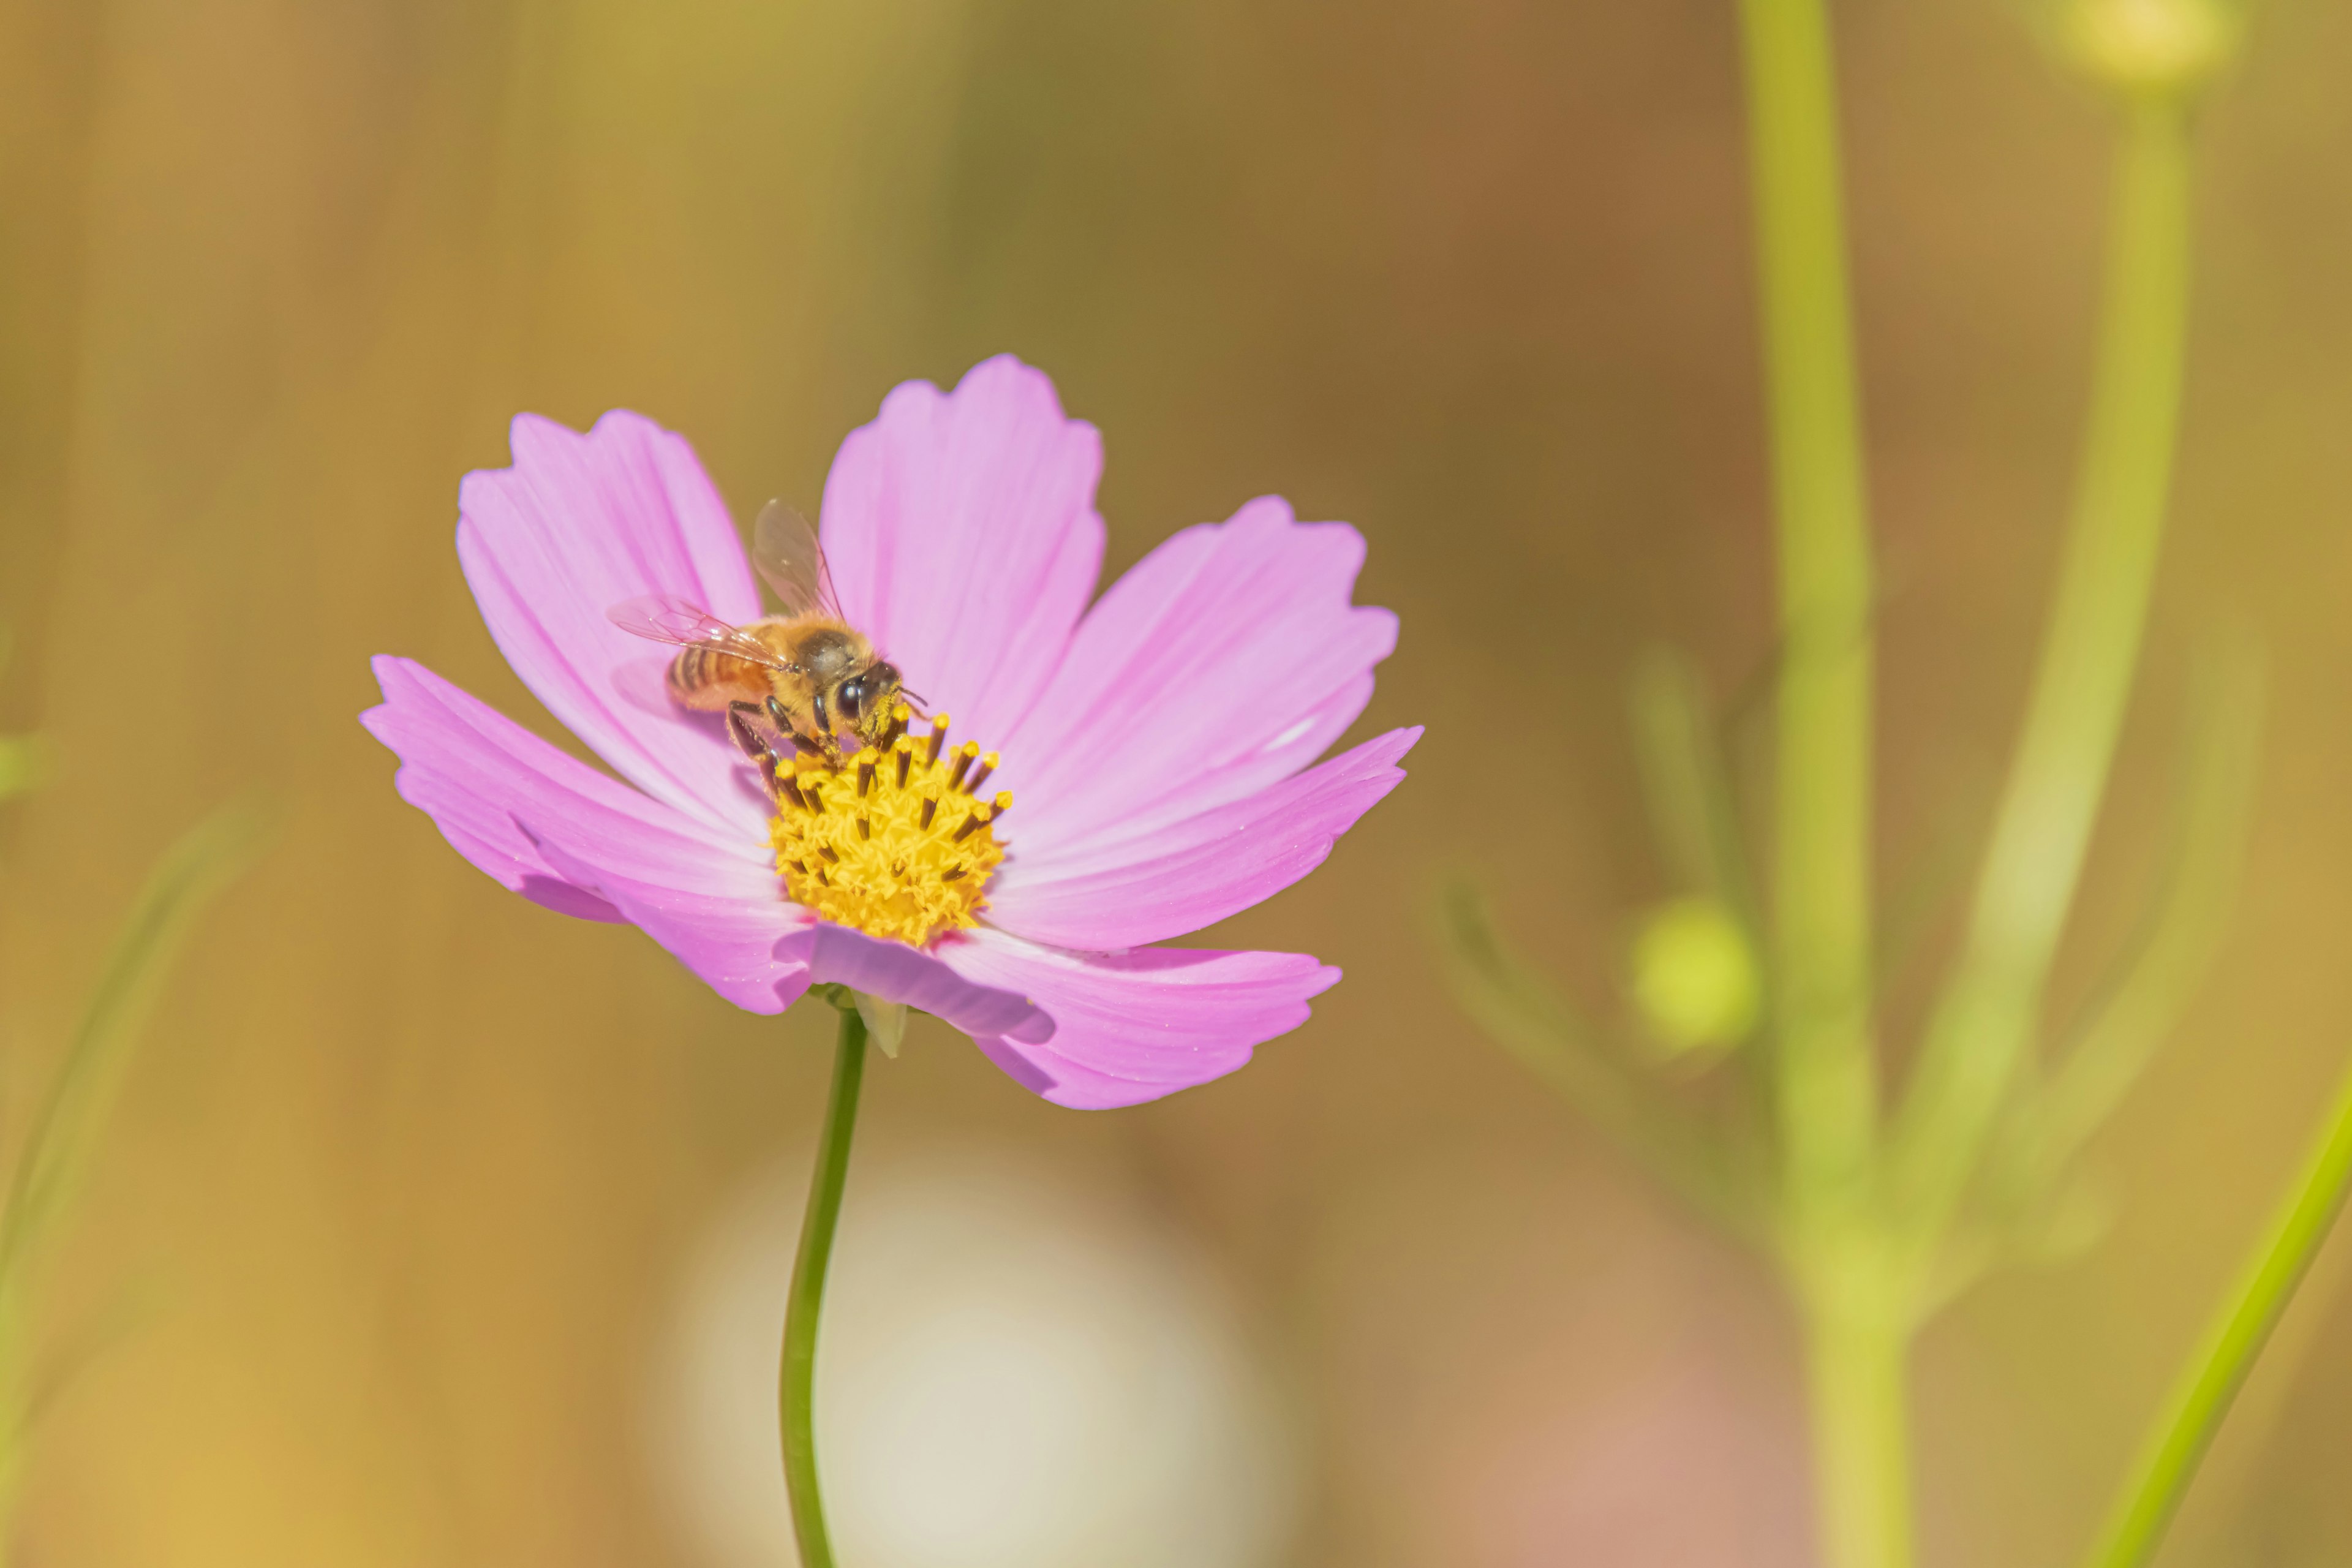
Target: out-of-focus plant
52,1154
1878,1204
24,759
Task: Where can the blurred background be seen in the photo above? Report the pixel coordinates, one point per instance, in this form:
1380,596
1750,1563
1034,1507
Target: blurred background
449,1224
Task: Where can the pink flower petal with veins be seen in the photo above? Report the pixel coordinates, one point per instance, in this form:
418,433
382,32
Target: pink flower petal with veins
564,835
961,531
1159,744
1161,882
1228,660
580,523
934,983
1134,1026
752,950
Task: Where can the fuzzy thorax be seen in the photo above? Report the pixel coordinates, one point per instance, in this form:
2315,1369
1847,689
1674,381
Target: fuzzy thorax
896,842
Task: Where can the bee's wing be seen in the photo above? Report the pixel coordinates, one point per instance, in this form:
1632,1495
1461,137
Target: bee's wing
662,618
788,557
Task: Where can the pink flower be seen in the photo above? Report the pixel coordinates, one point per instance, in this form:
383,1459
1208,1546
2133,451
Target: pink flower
1155,742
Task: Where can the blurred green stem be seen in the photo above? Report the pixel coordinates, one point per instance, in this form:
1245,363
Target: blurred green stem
1858,1343
1686,783
1826,1075
1985,1018
2177,1445
798,1376
1822,861
2152,987
1528,1019
62,1142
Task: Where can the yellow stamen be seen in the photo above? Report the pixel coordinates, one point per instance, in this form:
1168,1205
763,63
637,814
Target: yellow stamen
888,862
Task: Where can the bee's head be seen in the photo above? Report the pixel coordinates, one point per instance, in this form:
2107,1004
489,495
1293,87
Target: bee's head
865,699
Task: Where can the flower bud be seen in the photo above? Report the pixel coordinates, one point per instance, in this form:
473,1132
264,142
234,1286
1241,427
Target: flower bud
1695,976
2149,45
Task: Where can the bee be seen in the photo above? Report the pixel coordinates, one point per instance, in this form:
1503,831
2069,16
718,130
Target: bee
807,673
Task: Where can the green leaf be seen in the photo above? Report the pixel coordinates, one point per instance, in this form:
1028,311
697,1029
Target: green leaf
65,1132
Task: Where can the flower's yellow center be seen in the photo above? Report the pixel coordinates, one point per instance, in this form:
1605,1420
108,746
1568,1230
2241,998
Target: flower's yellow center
896,842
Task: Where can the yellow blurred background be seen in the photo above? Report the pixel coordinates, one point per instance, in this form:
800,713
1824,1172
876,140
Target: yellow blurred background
412,1178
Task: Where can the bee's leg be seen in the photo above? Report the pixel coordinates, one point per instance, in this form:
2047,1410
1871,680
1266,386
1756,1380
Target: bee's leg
825,737
739,730
781,718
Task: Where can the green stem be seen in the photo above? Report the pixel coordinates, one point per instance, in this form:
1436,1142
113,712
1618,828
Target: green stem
1826,1067
797,1379
1827,1080
1858,1346
1979,1034
2177,1445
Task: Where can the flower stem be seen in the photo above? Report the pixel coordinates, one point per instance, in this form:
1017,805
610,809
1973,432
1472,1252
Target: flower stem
798,1376
1824,1062
1827,1075
2176,1445
1858,1346
1985,1020
1822,864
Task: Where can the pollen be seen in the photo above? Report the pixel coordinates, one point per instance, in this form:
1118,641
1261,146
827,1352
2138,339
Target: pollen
898,841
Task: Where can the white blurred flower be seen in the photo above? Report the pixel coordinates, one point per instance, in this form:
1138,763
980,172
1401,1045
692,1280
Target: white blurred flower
1012,1372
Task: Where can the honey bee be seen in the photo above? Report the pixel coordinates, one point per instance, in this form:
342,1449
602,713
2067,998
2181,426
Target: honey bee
806,672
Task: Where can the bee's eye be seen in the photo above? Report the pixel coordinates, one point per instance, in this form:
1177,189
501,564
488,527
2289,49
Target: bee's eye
848,697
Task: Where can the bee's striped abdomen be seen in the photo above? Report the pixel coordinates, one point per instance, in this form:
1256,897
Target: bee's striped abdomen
705,677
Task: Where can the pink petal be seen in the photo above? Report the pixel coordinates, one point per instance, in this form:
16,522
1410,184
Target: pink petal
470,767
1138,1026
565,835
1124,890
897,972
962,537
1229,658
583,523
745,943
